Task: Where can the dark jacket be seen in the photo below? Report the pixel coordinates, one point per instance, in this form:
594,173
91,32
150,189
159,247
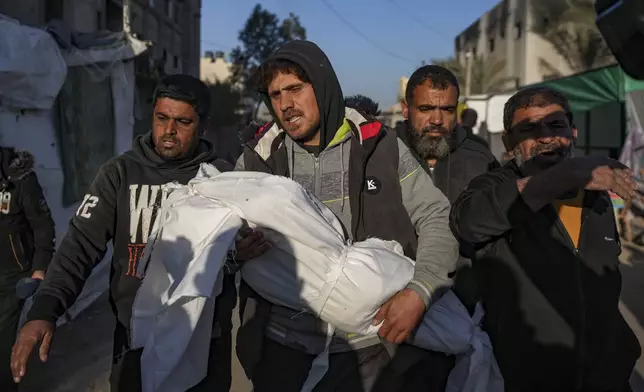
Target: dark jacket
120,206
467,159
27,234
551,309
474,137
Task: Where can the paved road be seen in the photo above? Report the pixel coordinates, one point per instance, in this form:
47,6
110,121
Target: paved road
81,353
80,358
632,304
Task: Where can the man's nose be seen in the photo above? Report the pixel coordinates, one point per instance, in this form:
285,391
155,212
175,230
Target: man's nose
170,127
286,103
436,118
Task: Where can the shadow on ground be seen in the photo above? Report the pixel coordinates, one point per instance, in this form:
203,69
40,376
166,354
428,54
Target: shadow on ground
632,301
81,355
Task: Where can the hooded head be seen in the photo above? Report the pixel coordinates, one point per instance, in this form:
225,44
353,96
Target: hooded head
302,91
181,106
363,104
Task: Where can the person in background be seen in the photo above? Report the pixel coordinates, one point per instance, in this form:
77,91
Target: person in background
452,159
547,261
363,104
121,206
27,240
373,184
468,120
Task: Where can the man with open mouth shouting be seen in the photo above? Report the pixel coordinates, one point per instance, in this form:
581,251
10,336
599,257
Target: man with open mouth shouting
547,263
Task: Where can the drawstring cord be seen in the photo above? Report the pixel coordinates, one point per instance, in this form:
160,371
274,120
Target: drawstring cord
342,177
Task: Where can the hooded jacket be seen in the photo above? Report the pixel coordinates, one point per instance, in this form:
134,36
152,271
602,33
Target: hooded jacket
27,234
369,179
328,92
120,206
551,307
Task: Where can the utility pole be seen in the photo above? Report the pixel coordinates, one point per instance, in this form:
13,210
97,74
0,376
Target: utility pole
469,58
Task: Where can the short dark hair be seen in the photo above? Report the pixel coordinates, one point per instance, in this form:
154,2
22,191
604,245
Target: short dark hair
271,68
363,104
469,117
440,77
185,88
534,97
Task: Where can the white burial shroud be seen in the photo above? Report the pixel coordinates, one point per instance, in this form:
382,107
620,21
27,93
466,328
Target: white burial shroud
311,268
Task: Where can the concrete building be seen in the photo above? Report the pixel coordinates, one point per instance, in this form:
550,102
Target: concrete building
213,67
393,114
507,31
172,26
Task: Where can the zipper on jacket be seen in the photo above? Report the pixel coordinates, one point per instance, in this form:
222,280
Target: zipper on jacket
317,175
15,255
582,297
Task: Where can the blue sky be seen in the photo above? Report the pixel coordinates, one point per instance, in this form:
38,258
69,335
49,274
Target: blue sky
407,32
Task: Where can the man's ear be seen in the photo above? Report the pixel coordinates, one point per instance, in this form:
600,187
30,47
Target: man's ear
405,109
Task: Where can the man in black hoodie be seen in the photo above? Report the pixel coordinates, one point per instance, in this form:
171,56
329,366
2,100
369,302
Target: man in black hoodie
27,238
453,160
121,206
363,104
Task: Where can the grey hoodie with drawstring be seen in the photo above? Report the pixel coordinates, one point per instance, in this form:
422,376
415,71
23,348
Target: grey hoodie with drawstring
326,177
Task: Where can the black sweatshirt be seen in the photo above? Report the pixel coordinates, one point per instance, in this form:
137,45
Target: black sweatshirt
27,233
120,206
551,308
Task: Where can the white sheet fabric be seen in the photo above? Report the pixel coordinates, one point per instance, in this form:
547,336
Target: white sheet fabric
311,267
447,327
173,311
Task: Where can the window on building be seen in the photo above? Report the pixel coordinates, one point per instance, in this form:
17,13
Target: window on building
518,29
99,20
490,45
502,27
176,62
54,10
545,22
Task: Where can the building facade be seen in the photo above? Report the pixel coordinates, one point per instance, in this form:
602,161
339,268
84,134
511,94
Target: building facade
171,26
508,32
213,68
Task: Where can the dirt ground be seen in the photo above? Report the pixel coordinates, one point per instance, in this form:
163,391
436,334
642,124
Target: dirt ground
81,352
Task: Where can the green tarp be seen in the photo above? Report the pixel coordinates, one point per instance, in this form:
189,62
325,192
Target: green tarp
597,100
588,90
